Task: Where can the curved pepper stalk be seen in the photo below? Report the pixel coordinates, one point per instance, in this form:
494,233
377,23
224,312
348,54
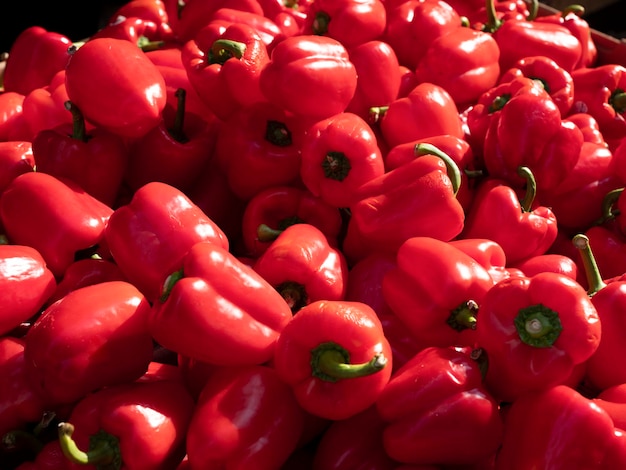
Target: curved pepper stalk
103,453
331,362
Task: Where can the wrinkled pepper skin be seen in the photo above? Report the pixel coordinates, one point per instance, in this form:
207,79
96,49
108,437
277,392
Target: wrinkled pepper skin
220,311
245,417
149,236
336,358
559,428
303,267
438,305
133,426
79,219
321,67
26,283
437,411
536,331
93,337
126,96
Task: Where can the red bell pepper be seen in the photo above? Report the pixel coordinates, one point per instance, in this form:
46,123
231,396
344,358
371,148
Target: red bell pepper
79,219
415,199
523,228
557,81
149,10
26,283
412,25
95,160
20,404
351,22
321,67
49,457
339,155
464,62
224,67
143,33
129,426
529,131
549,262
437,410
476,11
589,127
16,157
219,310
335,356
489,254
599,91
245,417
272,210
378,77
560,428
609,248
536,331
613,400
12,122
174,152
439,305
258,147
35,56
93,337
116,86
303,267
149,236
428,110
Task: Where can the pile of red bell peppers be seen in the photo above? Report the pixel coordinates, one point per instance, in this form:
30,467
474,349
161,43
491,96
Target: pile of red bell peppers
314,234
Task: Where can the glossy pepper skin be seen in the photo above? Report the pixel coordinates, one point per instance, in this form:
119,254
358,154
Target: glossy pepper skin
259,146
438,305
269,32
303,266
220,311
124,92
339,155
335,356
16,157
149,236
26,283
93,337
522,227
535,331
79,219
35,56
437,410
95,160
245,417
274,209
130,426
322,91
224,67
351,22
559,428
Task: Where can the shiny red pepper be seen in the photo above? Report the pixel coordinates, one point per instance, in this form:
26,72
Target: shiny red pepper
310,61
95,336
78,218
489,254
116,86
218,310
149,10
445,315
303,266
224,67
143,33
95,160
589,127
536,331
26,283
335,356
16,157
440,388
35,56
269,32
549,262
609,248
130,426
558,427
339,155
351,22
245,417
149,236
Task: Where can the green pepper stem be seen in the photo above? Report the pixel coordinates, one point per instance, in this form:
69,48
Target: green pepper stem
265,233
103,449
168,285
592,272
533,9
609,211
224,49
79,130
146,45
278,134
376,113
452,168
320,23
493,22
538,326
294,294
177,130
531,188
464,316
578,10
618,101
331,362
336,166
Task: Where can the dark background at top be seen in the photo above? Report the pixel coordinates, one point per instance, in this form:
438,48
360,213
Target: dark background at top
78,19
